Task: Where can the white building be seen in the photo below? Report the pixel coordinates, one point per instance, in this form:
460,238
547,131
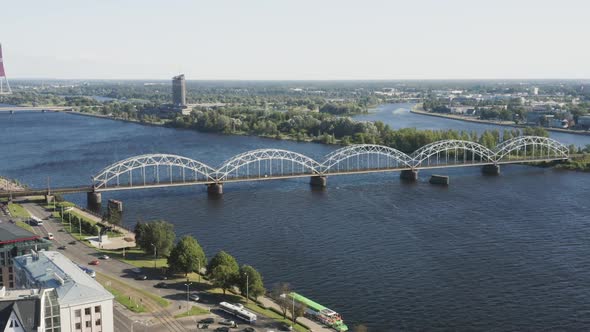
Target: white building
24,310
84,305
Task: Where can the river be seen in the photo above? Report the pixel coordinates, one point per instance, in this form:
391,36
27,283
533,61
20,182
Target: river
483,254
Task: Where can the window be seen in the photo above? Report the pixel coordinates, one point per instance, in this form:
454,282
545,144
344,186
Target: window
78,326
78,313
97,323
88,323
86,311
97,309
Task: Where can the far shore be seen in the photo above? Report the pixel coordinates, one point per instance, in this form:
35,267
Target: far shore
417,109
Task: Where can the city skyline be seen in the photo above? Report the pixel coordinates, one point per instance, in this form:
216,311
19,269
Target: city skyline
305,40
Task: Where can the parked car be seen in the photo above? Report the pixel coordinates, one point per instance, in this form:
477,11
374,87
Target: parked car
207,320
228,322
136,270
141,277
194,297
72,242
105,257
62,247
94,262
161,285
248,329
222,329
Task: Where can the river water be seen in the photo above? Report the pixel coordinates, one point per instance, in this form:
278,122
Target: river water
499,253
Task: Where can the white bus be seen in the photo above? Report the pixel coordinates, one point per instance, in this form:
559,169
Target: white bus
238,311
36,221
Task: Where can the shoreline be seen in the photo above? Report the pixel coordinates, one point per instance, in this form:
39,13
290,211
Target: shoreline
417,109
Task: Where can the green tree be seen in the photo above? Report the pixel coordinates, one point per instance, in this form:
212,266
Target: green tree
159,234
187,256
255,286
279,294
223,270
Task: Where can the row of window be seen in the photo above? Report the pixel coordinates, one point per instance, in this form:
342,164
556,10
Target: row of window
88,324
88,312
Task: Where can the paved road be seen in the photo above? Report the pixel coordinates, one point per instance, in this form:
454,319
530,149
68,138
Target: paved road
160,319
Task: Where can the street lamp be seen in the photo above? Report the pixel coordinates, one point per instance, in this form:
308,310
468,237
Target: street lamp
247,282
155,254
187,296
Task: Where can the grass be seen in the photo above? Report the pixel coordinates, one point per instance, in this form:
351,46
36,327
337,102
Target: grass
194,311
17,211
159,300
25,226
126,301
136,257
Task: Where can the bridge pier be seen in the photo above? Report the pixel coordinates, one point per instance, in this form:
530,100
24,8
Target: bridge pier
318,181
439,179
491,169
115,205
409,175
93,198
215,188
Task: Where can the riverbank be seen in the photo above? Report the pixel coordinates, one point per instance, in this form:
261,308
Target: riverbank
417,109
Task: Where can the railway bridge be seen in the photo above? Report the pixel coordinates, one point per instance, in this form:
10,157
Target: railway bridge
167,170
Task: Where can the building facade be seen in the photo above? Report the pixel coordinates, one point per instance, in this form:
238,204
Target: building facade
84,305
29,310
178,91
15,241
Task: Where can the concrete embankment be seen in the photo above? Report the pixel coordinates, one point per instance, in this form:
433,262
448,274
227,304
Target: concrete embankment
419,110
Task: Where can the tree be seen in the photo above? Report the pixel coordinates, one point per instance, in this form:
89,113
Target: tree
138,230
113,216
159,234
223,270
299,310
255,286
279,293
187,256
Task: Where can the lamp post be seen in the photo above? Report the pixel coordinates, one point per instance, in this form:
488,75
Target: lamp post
247,282
155,254
188,284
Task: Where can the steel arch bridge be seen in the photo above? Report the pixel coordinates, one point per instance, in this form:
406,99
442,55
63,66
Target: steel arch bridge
164,170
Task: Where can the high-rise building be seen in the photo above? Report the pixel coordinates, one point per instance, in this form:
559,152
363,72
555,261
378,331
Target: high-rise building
4,87
178,91
15,241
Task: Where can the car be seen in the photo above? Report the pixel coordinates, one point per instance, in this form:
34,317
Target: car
222,329
207,320
194,297
50,236
91,273
228,322
105,257
161,285
136,270
62,247
94,262
72,242
141,277
163,277
248,329
285,327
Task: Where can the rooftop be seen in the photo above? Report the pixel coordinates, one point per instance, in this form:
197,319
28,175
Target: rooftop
26,304
51,269
10,233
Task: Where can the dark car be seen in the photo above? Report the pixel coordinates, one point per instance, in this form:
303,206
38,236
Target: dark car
222,329
161,285
72,242
249,329
62,247
141,277
285,327
207,321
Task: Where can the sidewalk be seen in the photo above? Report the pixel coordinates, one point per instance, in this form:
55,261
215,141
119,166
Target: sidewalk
312,325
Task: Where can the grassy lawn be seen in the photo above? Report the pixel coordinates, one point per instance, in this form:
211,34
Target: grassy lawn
118,284
25,226
125,300
136,257
195,311
16,210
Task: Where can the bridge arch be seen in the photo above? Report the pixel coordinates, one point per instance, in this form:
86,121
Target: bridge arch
340,160
126,167
264,163
477,153
530,147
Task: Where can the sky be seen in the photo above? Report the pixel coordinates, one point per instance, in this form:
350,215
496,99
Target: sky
296,40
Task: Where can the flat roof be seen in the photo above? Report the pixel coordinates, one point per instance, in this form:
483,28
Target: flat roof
51,269
10,233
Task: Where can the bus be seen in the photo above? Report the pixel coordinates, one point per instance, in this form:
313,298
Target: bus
238,311
36,221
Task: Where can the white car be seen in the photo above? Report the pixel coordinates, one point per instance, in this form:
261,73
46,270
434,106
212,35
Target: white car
104,257
194,297
50,236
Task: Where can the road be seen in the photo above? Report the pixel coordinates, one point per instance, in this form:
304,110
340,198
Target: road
159,320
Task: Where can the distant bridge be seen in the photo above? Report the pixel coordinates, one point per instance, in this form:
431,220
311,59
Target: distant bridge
166,170
35,108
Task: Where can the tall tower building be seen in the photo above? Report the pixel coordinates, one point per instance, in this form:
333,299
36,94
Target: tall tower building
179,90
4,87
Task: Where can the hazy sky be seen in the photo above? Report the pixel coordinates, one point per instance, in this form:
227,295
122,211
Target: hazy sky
303,39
